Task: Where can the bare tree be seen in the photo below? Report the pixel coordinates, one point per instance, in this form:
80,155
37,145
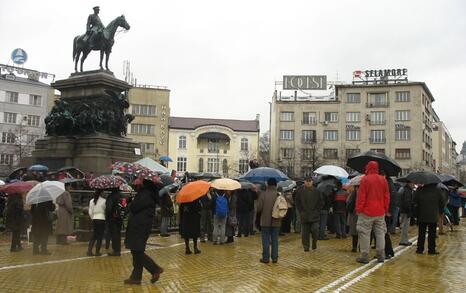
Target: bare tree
264,149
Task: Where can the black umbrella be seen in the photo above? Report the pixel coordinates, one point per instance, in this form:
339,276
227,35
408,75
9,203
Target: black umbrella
386,163
166,180
449,180
247,185
423,177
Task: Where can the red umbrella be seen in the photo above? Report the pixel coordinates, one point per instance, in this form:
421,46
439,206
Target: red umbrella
18,187
107,182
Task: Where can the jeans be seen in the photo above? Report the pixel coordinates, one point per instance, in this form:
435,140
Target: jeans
140,261
365,226
244,224
219,229
323,223
340,224
164,225
422,236
394,220
269,234
404,225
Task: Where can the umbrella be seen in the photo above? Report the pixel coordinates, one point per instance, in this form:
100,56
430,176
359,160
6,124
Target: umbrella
126,188
45,191
386,163
247,185
135,170
204,175
169,189
355,181
449,180
423,177
192,191
71,180
287,185
18,187
165,159
15,172
225,184
153,165
262,174
106,182
2,182
40,168
332,170
166,179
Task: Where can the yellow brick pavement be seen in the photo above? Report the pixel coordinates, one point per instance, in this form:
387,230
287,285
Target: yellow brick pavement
234,268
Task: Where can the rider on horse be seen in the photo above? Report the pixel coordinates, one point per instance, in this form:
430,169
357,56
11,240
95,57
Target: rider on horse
94,29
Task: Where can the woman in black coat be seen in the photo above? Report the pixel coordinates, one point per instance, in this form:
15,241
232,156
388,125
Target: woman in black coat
190,223
15,220
141,217
41,226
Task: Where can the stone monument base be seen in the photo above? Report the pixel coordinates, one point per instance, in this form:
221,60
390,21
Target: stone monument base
89,153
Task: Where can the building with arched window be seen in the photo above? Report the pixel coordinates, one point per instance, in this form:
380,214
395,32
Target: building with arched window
223,146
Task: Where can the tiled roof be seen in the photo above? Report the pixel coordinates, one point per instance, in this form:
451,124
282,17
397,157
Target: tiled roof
193,123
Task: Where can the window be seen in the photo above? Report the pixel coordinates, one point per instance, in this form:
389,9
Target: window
35,100
33,120
9,117
402,97
402,153
212,165
309,118
378,100
181,164
382,151
286,134
306,172
244,144
353,98
200,166
330,134
330,153
377,136
143,110
353,116
11,97
402,115
243,166
286,116
182,142
403,134
148,147
377,118
212,146
309,136
331,116
308,154
353,134
8,137
225,168
352,152
143,129
6,159
286,153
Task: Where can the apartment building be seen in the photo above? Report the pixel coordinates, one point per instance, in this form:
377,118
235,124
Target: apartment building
445,155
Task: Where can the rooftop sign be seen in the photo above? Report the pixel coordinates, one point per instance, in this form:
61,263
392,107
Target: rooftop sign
304,82
380,76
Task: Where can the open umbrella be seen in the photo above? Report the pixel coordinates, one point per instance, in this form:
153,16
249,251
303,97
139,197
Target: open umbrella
449,180
2,182
423,177
287,185
45,191
192,191
15,174
355,181
71,180
247,185
225,184
18,187
153,165
262,174
166,179
39,168
106,182
332,170
386,163
204,175
165,159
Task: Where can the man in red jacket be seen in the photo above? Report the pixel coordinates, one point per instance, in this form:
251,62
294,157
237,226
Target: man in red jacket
371,206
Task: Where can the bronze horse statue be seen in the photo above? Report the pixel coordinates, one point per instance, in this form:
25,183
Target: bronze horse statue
104,43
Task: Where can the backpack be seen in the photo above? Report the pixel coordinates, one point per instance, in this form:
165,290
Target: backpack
280,207
221,206
121,208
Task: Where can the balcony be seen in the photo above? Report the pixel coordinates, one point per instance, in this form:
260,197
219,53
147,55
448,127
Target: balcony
308,141
377,122
377,140
377,105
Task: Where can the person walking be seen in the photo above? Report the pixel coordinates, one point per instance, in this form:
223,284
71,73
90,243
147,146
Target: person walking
220,213
65,223
454,204
97,215
15,220
353,217
309,200
140,219
41,226
372,205
190,224
406,212
429,202
269,226
114,213
339,210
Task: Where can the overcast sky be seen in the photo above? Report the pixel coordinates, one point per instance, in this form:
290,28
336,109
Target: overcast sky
221,59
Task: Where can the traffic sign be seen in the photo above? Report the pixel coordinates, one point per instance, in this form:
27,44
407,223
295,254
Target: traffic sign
19,56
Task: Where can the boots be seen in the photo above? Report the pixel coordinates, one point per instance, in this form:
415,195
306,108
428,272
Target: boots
98,245
380,256
355,243
363,259
89,248
196,250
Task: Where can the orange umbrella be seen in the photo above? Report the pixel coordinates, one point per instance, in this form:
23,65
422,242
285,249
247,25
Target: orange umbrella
192,191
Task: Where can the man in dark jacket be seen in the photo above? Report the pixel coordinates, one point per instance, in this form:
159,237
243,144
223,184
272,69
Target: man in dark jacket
309,202
140,220
244,202
429,202
41,226
15,220
328,189
114,219
406,211
339,210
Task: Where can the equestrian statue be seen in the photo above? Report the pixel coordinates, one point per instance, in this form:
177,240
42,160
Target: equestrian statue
97,38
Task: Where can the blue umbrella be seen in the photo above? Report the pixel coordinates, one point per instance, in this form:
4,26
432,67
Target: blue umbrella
165,159
39,168
262,174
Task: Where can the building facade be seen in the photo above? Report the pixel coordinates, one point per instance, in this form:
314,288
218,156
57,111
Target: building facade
395,119
23,107
151,108
444,148
221,146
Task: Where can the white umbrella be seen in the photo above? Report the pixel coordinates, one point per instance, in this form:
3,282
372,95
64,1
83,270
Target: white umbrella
225,184
356,180
2,182
332,171
45,191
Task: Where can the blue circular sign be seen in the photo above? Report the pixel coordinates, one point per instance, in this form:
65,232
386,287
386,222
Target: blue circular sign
19,56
